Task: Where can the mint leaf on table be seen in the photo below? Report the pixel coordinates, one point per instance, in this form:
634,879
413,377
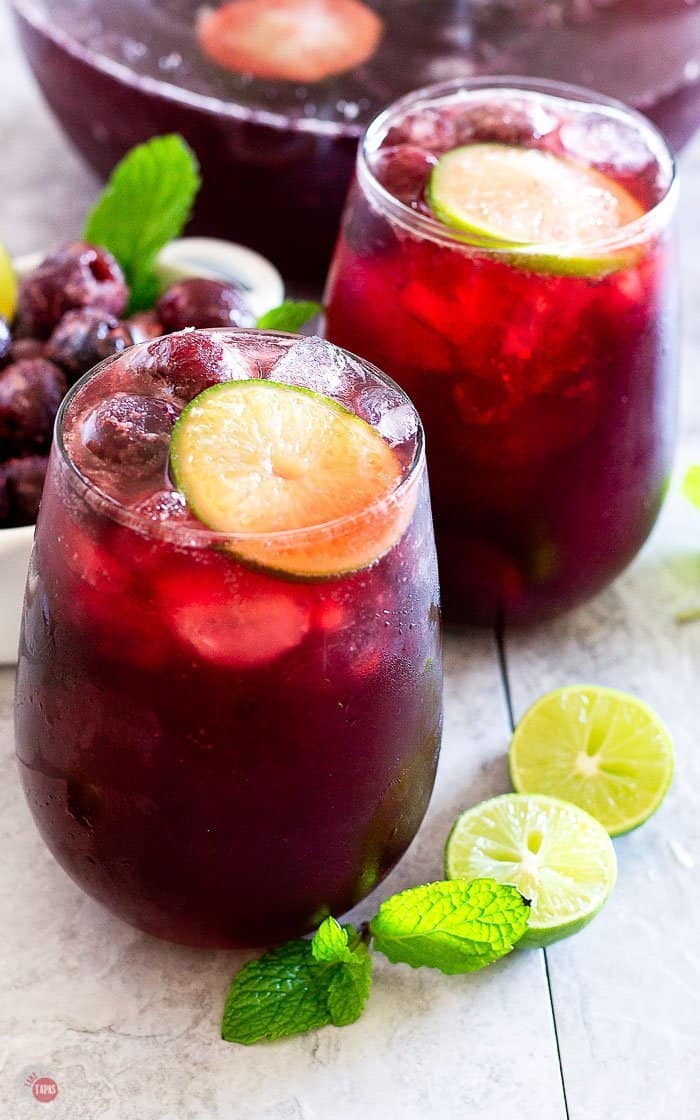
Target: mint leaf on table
690,486
145,204
454,926
289,316
299,987
349,986
331,941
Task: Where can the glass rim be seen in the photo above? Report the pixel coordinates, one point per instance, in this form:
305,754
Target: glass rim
414,222
195,537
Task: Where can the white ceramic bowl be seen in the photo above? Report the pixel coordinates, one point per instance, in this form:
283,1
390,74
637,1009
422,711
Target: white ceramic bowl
190,256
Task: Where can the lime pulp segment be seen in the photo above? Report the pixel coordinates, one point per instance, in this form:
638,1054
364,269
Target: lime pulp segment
603,750
262,458
557,856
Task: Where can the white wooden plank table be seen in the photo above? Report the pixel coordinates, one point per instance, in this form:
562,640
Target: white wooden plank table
608,1028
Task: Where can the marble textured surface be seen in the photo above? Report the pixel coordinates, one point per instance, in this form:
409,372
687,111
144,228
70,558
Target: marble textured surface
129,1027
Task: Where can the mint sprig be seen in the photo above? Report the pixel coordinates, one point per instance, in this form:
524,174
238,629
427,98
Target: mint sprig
300,987
290,316
145,204
453,926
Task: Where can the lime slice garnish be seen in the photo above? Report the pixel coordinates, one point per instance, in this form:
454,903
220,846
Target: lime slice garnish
603,750
293,467
8,286
557,856
503,197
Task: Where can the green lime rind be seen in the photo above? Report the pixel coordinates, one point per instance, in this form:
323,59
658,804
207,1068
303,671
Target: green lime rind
552,260
557,855
601,749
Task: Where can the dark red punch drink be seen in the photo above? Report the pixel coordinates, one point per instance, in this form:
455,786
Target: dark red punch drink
228,722
507,255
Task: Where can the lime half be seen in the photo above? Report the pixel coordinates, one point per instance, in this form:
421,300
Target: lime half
508,197
557,856
604,750
8,286
291,473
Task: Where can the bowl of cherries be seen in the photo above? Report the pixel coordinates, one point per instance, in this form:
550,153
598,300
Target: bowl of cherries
69,309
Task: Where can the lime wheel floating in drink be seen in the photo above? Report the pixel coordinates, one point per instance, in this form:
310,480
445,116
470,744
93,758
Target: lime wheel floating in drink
557,855
304,485
508,197
601,749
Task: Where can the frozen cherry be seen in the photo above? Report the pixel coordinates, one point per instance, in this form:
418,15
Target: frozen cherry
5,340
86,336
424,128
199,302
189,363
27,348
30,392
144,325
130,430
404,171
24,481
513,123
74,275
83,338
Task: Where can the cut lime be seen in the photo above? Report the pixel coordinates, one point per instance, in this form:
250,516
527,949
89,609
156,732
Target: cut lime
293,469
603,750
507,197
8,286
557,856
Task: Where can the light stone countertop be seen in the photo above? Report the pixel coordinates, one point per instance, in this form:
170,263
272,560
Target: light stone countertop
606,1027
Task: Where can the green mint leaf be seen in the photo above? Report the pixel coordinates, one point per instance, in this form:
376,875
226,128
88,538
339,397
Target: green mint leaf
285,992
454,926
350,986
690,486
289,316
145,204
300,987
330,942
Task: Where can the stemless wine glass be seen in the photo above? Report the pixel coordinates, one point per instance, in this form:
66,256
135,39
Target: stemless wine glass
218,751
545,374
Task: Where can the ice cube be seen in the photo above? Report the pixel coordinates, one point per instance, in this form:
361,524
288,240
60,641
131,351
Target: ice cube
315,364
600,139
398,425
164,506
